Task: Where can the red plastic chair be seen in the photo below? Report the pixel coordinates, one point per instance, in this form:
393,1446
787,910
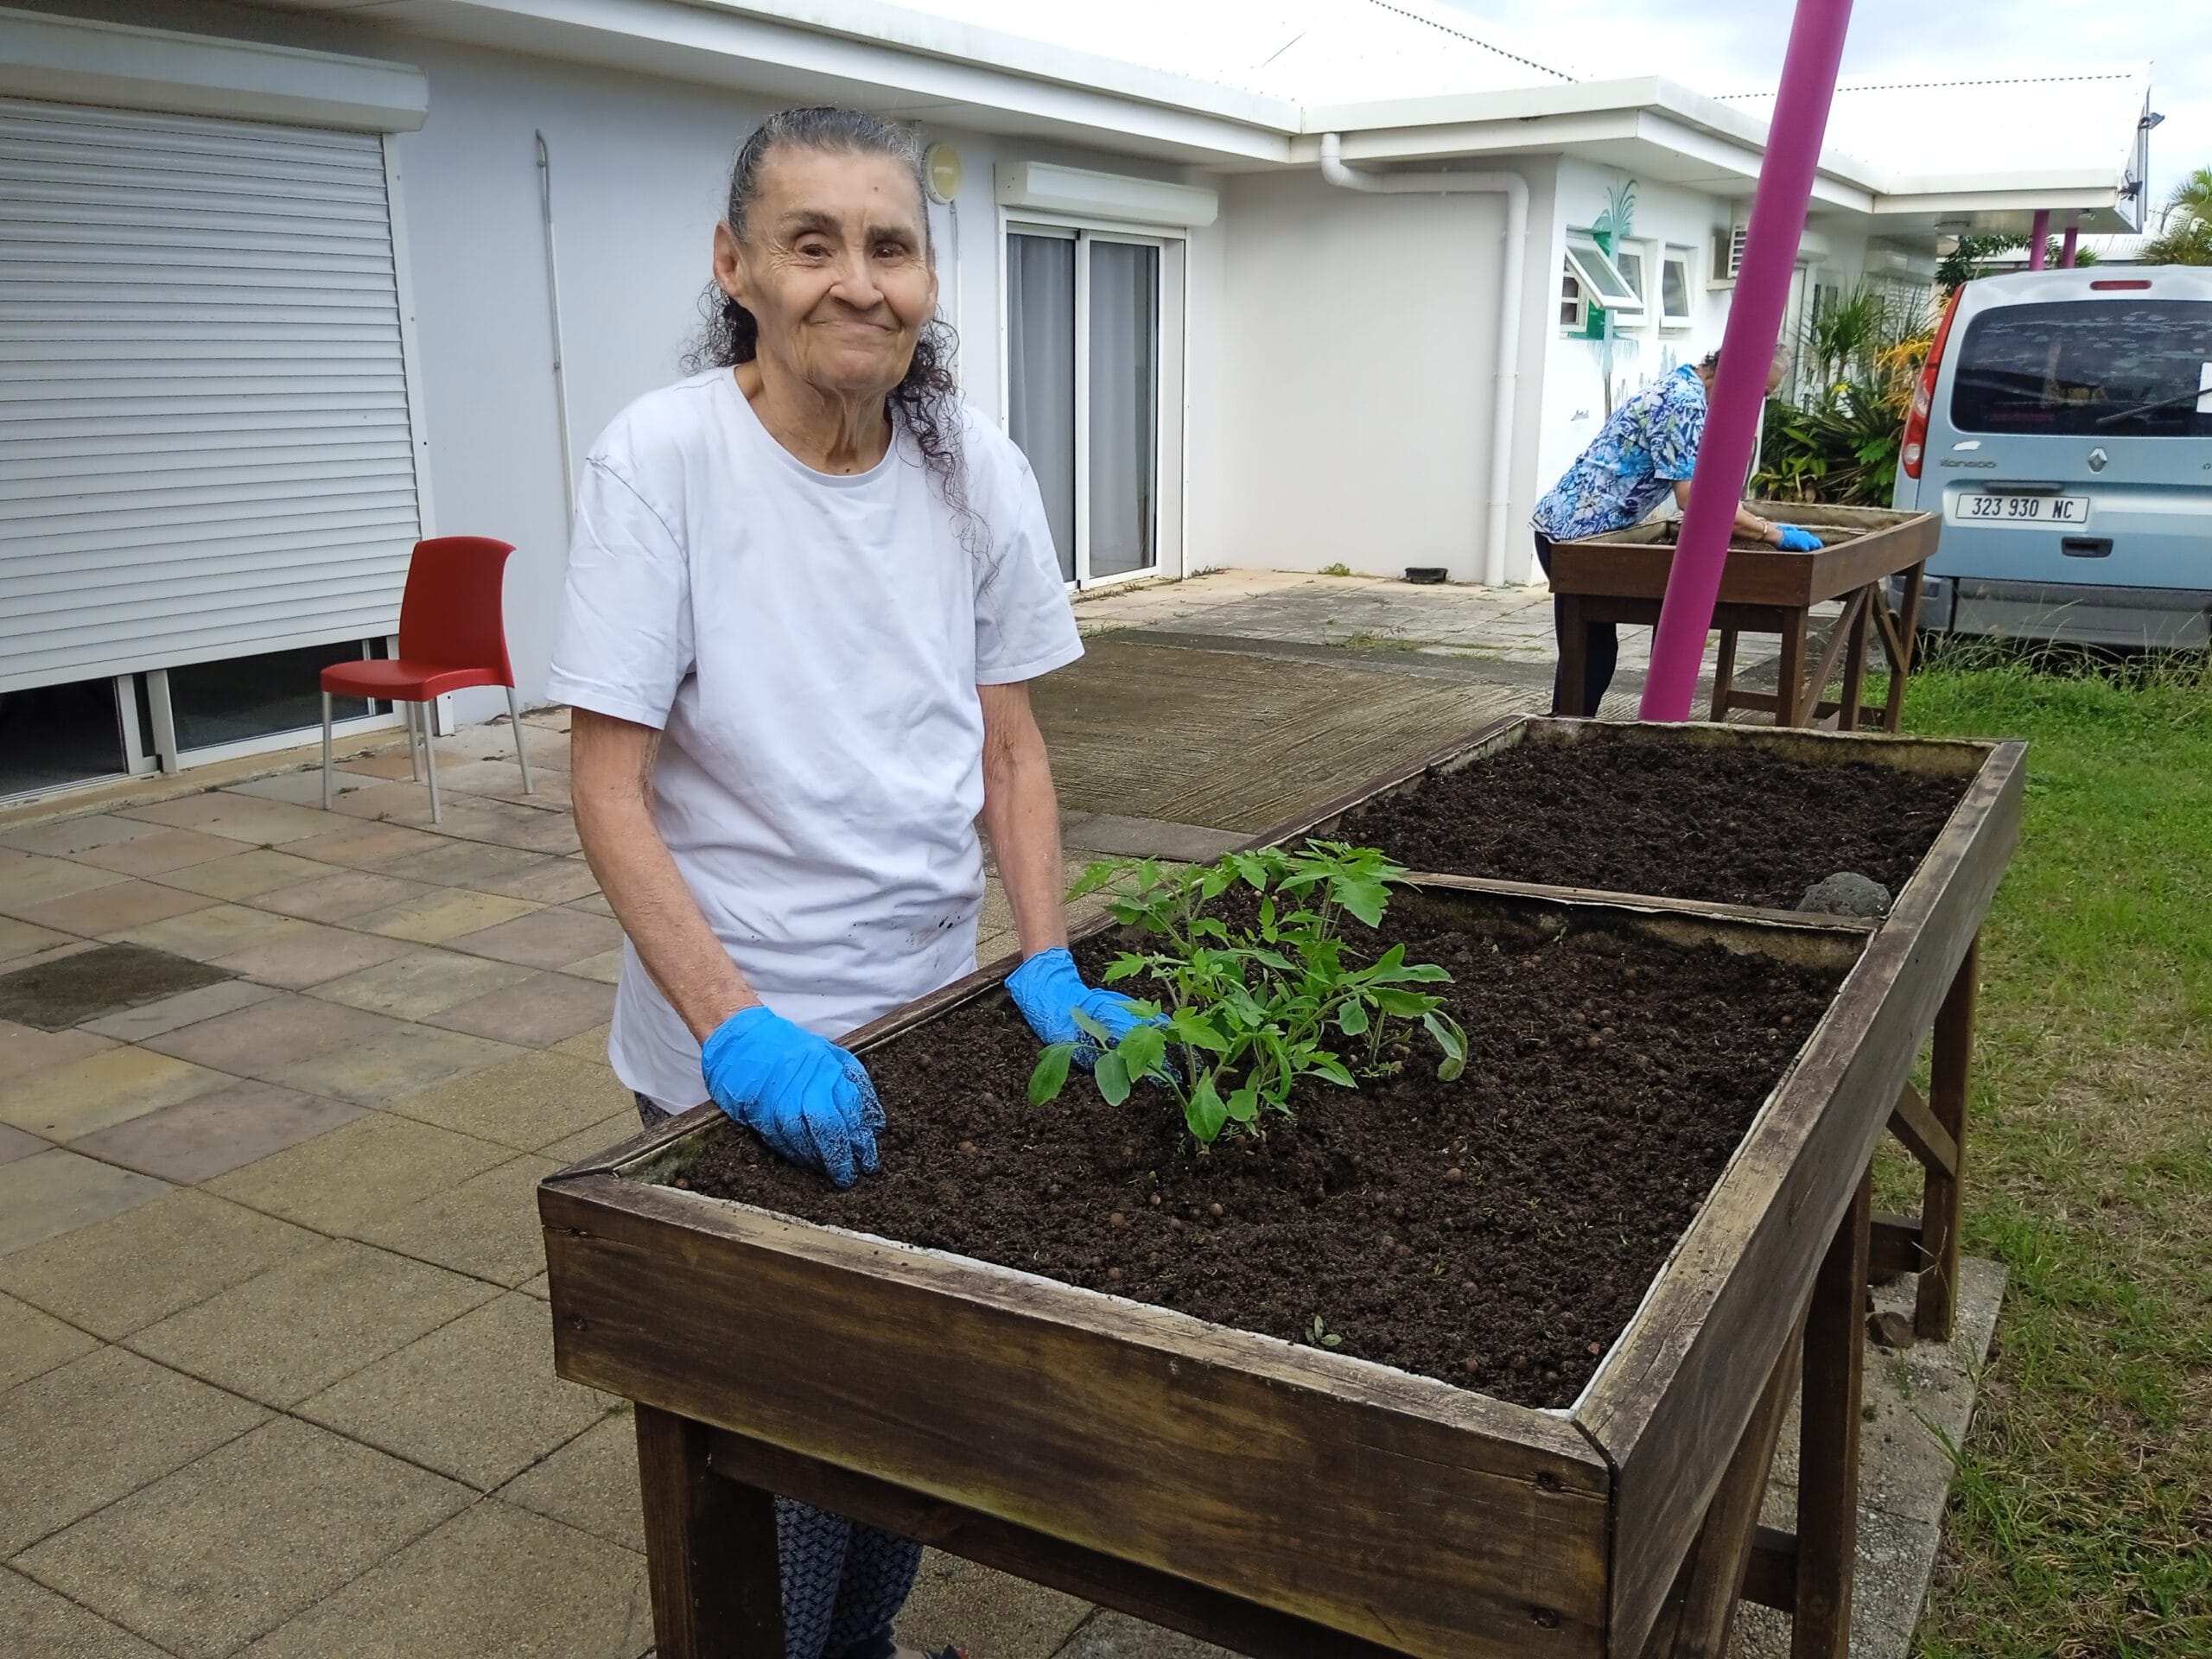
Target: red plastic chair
452,635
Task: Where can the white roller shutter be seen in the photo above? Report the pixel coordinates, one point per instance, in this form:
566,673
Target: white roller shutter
206,448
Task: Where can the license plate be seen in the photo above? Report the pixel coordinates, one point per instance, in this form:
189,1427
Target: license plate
1995,508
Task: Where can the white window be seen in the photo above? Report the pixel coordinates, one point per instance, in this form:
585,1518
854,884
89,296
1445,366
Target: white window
1675,269
1636,261
1094,355
1603,284
1574,303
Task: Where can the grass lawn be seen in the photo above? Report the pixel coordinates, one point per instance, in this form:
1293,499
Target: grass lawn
2081,1523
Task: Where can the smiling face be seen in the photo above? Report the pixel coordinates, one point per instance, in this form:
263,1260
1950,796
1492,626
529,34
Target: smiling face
833,265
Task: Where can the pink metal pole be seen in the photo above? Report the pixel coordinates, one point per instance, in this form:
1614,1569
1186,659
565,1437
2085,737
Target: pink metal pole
2039,238
2066,248
1793,153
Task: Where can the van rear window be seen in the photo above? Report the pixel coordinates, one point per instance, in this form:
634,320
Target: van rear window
2088,368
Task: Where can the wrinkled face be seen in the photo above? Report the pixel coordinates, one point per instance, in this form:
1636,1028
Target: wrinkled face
834,267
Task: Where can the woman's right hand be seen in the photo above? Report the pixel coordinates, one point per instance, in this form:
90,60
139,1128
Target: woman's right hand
808,1099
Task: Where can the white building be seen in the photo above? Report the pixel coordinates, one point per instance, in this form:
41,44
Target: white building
283,287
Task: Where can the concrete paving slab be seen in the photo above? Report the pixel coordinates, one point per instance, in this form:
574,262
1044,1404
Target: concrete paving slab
610,1131
61,1102
544,938
171,1014
22,939
494,1582
425,981
486,1227
527,1103
552,881
309,957
71,989
273,1036
17,1143
221,1130
442,915
304,787
56,1192
475,864
957,1601
53,1627
124,1274
245,875
533,1012
65,837
160,853
238,817
369,1169
112,908
595,905
33,1341
586,1044
339,1306
398,1062
220,929
26,1048
223,1549
368,846
339,895
33,880
591,1483
87,1433
606,969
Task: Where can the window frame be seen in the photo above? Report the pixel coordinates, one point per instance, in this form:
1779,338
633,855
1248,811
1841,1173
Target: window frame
1670,253
1594,268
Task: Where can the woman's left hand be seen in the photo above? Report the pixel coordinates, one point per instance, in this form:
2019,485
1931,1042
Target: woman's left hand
1049,990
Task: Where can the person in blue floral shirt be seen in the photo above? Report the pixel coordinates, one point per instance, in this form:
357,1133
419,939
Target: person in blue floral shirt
1647,449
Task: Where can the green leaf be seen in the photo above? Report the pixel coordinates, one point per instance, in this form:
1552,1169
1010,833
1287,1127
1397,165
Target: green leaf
1331,1339
1091,1029
1143,1051
1329,1066
1406,1005
1192,1029
1251,867
1244,1104
1205,1111
1452,1041
1351,1019
1113,1077
1364,898
1267,919
1052,1073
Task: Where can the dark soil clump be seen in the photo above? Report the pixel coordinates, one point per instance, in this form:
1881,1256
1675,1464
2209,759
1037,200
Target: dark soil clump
1733,825
1496,1233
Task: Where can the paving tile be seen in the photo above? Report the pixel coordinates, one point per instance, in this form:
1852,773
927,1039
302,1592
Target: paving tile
32,1341
87,1433
273,1036
33,881
240,817
220,929
22,939
488,1227
337,1307
544,938
386,766
340,895
435,917
401,1061
245,875
526,1102
60,1102
299,960
207,1558
591,904
422,984
476,1399
956,1601
494,1582
122,1273
365,1171
543,1009
304,788
54,1191
17,1143
367,846
112,908
609,1132
498,779
173,1012
591,1483
65,837
202,1137
606,967
541,1287
161,854
26,1048
53,1627
401,799
586,1044
476,864
70,987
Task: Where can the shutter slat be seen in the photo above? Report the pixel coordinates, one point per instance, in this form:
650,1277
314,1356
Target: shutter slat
206,448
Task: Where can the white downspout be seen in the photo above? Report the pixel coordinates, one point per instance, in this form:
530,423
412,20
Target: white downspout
1515,188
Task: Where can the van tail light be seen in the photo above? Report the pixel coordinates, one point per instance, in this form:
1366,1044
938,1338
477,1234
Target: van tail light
1923,396
2113,283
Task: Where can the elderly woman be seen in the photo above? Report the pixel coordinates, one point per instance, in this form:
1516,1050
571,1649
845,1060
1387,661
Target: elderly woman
807,590
1648,448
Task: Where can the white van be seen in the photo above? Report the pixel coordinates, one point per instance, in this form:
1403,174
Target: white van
2063,430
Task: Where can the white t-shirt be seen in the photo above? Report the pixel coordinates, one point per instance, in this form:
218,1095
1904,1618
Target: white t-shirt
811,647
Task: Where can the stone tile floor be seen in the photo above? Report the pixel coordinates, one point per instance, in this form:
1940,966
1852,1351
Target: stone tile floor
274,1370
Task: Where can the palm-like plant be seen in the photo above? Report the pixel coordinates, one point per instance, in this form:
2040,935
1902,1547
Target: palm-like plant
2184,235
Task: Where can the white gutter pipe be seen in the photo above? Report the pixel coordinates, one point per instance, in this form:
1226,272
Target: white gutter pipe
1515,189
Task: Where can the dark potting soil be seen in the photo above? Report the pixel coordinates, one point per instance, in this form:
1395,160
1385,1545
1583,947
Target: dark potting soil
1497,1232
1733,825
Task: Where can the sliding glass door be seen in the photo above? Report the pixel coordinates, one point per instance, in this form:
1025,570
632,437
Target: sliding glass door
1090,353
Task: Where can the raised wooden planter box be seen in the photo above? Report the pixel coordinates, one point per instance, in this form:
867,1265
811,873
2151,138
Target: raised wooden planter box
1280,1500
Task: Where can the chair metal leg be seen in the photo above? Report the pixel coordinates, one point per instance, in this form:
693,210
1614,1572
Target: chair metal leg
414,766
326,751
430,764
514,718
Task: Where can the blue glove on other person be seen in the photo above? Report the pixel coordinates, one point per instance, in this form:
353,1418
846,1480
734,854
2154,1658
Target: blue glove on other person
1795,540
1049,990
808,1099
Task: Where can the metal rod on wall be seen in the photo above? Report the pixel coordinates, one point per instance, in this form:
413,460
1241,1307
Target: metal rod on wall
553,309
1785,190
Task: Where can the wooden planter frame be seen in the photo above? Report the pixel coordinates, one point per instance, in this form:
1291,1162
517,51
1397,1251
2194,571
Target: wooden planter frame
1282,1500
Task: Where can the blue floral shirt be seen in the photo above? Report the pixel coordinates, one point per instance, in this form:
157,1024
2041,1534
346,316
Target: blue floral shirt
1648,446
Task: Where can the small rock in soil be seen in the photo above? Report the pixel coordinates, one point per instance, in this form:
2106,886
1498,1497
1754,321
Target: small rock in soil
1455,1175
1847,894
1890,1331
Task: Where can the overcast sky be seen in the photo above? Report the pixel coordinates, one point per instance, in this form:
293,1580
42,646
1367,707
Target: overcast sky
1730,46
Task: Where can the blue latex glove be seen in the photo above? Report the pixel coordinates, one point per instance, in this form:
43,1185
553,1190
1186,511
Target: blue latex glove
1795,540
1048,990
808,1099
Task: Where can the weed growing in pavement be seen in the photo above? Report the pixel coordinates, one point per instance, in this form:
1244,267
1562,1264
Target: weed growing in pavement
1242,1011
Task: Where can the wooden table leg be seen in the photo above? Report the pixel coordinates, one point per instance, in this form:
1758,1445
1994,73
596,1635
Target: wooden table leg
1724,674
1789,673
710,1548
1854,662
1574,655
1901,640
1828,1458
1936,1306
